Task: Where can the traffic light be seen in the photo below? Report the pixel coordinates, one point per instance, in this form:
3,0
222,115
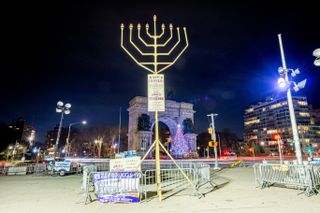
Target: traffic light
213,144
210,131
169,140
250,149
310,150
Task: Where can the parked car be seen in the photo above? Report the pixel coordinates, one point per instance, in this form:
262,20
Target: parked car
62,166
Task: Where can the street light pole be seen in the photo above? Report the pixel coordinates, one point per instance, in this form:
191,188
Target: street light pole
290,104
68,137
59,132
63,109
213,137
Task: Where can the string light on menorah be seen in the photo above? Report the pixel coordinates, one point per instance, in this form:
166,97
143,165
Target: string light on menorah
156,99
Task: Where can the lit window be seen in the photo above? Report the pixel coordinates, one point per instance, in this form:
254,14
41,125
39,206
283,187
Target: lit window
303,103
272,131
246,123
273,106
253,137
304,114
249,110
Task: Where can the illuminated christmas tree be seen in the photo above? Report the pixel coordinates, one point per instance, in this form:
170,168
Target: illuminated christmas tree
179,144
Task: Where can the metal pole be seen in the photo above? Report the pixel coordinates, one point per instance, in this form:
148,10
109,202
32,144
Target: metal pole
213,137
290,105
68,138
158,180
59,131
119,130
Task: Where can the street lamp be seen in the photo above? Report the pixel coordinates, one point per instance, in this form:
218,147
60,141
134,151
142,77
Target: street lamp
316,53
284,82
84,122
63,109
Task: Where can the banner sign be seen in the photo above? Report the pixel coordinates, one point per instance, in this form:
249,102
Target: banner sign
117,187
156,98
131,164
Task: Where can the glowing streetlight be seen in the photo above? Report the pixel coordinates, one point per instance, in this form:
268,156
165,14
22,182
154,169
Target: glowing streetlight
316,53
84,122
285,83
63,109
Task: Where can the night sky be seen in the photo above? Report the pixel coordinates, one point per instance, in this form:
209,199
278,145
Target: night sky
71,52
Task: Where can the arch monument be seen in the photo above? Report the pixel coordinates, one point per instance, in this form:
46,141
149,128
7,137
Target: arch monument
175,113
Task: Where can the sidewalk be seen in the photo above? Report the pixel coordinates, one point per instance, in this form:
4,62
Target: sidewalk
236,194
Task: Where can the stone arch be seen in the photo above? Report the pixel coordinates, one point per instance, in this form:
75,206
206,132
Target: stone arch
174,114
172,125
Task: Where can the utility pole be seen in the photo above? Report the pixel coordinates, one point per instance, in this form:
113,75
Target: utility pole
213,137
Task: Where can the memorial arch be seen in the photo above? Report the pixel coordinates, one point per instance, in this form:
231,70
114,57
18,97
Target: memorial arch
175,113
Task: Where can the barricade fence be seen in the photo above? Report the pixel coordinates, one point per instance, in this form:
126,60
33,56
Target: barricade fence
301,177
172,180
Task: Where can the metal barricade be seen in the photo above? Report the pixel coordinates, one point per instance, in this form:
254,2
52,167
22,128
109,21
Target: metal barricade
172,179
301,177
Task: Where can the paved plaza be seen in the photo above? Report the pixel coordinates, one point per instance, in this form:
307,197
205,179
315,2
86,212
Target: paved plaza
237,193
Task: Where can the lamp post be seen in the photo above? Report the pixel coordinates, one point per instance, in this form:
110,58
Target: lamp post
84,122
316,53
63,109
285,83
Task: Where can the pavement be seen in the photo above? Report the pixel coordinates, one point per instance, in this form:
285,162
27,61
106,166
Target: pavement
236,193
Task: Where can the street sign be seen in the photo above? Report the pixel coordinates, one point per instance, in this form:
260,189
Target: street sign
156,98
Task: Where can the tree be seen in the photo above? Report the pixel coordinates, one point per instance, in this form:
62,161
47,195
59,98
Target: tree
85,141
179,145
229,141
144,122
188,126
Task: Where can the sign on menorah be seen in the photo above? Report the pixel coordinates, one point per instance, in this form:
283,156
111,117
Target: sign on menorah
156,99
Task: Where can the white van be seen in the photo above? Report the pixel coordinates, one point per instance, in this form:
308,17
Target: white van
63,167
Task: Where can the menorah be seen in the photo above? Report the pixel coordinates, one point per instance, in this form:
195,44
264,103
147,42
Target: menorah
155,67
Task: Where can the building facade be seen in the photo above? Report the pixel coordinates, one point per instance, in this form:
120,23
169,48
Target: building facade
265,119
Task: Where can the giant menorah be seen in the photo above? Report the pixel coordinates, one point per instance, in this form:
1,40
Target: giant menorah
156,66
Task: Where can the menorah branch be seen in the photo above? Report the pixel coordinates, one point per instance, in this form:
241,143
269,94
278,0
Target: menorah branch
133,58
147,31
143,41
168,40
176,44
174,61
137,48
